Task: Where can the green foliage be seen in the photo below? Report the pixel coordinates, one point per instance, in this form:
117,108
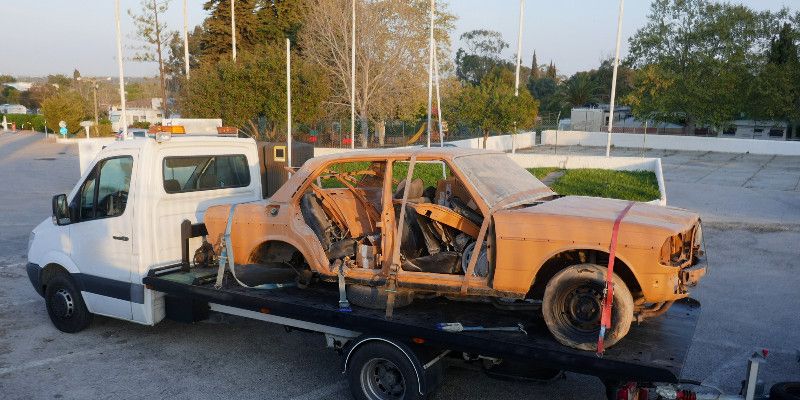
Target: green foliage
26,121
430,173
482,55
492,105
61,81
7,79
67,106
140,125
253,89
693,59
625,185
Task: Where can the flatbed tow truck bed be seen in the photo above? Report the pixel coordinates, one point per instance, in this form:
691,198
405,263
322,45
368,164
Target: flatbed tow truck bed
654,351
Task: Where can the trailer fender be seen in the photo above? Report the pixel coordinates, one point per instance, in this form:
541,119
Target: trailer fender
355,344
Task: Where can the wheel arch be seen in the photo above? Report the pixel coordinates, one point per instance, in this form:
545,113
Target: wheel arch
407,351
276,250
563,258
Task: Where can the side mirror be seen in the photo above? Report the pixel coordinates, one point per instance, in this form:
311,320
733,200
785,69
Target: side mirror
60,210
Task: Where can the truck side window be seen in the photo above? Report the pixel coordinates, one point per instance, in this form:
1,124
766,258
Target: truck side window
190,174
114,184
105,191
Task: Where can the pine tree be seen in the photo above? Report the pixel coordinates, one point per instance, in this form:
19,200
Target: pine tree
551,71
534,67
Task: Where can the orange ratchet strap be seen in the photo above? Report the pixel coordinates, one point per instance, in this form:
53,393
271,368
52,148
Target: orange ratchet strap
608,297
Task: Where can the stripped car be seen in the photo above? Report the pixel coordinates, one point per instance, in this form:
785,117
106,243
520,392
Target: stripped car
481,228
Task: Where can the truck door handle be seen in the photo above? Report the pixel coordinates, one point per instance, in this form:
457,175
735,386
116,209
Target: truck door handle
123,238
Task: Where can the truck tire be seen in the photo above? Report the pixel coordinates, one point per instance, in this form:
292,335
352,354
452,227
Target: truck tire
376,297
572,306
380,371
785,391
65,305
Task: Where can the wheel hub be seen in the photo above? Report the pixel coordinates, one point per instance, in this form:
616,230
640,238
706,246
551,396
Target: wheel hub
63,304
583,308
381,379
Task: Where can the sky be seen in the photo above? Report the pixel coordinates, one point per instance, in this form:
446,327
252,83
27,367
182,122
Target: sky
44,37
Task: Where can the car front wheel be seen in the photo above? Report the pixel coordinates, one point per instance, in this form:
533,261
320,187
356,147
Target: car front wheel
65,305
572,307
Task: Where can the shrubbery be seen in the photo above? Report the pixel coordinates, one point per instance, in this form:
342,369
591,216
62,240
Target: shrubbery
26,121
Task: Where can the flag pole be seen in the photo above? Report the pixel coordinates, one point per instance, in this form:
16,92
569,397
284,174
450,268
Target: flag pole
123,116
614,78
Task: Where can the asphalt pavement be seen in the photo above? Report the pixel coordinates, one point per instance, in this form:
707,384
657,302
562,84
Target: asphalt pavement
750,300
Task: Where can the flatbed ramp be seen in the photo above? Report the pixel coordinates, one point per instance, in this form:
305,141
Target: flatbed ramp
654,351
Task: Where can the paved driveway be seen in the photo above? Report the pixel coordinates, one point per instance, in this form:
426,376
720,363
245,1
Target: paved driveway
750,301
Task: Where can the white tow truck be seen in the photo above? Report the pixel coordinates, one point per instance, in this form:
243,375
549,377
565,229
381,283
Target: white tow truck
118,245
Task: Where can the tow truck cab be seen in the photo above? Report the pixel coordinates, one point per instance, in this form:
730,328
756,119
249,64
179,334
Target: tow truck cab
123,216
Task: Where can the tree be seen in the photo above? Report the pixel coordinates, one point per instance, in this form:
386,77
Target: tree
215,37
535,72
67,106
692,60
581,90
492,105
551,71
35,96
251,93
482,54
391,54
153,35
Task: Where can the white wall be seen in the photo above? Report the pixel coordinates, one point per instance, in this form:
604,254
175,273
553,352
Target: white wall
671,142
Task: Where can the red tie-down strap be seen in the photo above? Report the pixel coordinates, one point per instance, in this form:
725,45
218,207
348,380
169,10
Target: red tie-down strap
608,298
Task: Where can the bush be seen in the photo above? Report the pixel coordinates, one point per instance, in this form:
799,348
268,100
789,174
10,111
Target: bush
69,107
26,121
140,125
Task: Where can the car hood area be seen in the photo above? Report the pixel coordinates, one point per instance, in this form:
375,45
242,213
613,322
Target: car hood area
601,212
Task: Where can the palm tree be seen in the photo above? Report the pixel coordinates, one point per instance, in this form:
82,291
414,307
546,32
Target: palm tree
580,90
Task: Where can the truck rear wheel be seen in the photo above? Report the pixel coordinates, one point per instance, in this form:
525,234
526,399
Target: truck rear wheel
572,306
65,305
380,371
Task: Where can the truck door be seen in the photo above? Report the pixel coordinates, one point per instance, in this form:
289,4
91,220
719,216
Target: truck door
102,237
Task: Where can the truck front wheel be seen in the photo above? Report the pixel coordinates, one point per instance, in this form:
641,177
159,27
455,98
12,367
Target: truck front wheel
572,306
65,305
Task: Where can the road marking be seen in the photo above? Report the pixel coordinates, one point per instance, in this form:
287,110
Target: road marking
323,392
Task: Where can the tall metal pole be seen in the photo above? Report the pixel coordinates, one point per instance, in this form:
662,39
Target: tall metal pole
288,104
430,74
233,29
614,78
438,97
96,117
186,37
353,78
516,78
123,119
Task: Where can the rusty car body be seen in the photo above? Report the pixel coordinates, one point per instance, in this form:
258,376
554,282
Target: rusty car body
487,230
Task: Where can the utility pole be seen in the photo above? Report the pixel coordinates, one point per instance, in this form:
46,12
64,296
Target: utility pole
95,85
614,78
353,78
430,73
438,97
123,120
186,37
233,29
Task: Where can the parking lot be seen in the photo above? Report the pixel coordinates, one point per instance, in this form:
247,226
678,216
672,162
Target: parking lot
750,205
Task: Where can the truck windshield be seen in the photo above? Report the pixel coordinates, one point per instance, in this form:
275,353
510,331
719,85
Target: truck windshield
496,176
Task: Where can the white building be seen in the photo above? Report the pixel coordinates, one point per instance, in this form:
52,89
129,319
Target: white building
595,119
137,111
13,109
21,86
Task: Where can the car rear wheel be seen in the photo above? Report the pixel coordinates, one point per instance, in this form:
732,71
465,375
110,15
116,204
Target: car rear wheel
572,307
65,305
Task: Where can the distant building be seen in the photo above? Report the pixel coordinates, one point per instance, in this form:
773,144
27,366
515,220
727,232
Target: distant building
13,109
595,118
21,86
147,110
751,129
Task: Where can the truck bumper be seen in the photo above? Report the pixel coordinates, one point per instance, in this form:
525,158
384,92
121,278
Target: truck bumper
35,275
689,277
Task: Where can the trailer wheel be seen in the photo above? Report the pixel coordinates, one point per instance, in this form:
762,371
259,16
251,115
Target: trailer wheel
380,371
65,305
785,391
572,307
